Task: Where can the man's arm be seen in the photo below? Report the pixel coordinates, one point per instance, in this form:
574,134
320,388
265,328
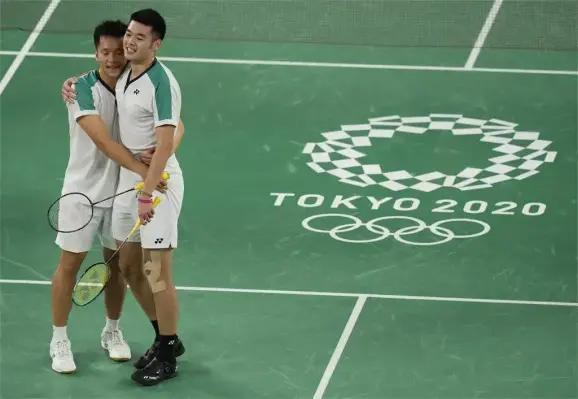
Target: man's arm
164,149
88,118
147,156
96,129
178,136
166,110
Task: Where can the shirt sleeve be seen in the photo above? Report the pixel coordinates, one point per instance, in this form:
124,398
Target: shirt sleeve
167,103
84,104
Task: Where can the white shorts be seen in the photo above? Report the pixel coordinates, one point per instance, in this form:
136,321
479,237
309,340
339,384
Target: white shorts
162,231
82,240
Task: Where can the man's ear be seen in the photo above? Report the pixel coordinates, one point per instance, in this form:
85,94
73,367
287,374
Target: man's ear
157,44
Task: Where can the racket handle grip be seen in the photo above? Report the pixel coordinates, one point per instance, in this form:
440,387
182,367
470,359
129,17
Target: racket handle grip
156,201
139,186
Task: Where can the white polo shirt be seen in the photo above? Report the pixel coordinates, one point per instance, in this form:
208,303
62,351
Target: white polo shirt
146,102
89,170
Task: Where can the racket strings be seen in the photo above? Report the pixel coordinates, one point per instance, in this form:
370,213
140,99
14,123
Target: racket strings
70,213
90,284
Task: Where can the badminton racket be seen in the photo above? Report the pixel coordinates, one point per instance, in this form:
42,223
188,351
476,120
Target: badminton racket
94,280
73,211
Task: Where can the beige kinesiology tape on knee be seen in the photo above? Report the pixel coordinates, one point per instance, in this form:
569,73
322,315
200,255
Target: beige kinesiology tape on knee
152,269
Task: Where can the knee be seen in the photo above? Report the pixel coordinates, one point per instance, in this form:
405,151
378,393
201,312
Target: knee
154,275
113,263
70,262
131,272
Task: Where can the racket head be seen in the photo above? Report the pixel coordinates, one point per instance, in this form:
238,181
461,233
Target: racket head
71,212
91,284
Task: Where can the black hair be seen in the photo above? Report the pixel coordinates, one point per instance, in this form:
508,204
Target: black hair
109,28
152,18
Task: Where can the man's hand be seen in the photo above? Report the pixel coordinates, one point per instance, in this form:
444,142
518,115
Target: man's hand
146,156
162,186
145,208
68,90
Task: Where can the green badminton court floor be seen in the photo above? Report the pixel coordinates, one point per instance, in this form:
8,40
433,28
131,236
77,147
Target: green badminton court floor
349,231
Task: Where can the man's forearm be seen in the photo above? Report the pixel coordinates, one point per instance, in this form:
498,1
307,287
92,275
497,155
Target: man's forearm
98,133
163,152
124,158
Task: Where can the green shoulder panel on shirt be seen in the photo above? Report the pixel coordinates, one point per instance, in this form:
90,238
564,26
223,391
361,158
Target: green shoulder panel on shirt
84,85
163,97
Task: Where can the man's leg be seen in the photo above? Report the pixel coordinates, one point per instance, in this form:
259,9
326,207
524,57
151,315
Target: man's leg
63,282
159,239
74,247
115,290
157,269
111,338
131,265
130,258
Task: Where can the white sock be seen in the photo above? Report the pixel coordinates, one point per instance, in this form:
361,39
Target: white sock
59,333
111,325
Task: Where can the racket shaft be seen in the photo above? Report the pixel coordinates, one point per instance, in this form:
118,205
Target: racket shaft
115,195
136,226
138,186
134,229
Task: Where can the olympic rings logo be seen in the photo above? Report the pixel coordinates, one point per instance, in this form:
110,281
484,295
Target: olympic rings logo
381,232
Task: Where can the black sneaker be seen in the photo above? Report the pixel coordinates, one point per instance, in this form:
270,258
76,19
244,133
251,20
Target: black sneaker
149,355
155,373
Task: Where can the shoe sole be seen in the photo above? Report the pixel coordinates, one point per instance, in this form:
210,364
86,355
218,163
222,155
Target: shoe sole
150,384
64,372
120,359
116,359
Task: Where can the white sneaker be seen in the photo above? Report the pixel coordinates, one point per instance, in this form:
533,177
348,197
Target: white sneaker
113,342
62,359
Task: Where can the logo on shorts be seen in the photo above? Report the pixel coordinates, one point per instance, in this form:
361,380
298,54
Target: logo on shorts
158,240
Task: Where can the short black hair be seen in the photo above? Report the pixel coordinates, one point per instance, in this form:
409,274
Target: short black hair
152,18
109,28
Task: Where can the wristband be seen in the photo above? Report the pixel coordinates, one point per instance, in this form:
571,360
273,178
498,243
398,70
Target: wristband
142,193
145,200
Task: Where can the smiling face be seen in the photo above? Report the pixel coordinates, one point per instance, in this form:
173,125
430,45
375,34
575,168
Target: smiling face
110,56
140,43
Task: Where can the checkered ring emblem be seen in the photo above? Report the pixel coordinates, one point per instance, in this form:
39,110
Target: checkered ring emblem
519,154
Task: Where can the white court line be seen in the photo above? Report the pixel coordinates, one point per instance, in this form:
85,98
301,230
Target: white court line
321,64
340,294
340,347
25,50
483,34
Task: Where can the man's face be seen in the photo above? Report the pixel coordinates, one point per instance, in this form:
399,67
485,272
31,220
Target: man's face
139,42
110,56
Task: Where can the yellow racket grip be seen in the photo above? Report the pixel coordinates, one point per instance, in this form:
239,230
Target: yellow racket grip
139,186
156,201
